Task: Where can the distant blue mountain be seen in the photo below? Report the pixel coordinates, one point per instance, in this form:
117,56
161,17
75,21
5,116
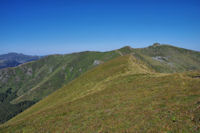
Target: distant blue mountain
15,59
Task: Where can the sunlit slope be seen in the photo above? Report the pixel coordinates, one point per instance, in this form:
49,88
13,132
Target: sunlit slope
167,58
121,95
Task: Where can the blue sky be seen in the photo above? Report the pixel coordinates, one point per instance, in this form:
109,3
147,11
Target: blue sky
41,27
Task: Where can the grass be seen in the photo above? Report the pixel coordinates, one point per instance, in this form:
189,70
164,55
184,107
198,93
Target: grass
121,95
35,80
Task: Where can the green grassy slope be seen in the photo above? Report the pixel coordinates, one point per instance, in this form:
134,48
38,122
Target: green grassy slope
121,95
70,67
167,58
33,81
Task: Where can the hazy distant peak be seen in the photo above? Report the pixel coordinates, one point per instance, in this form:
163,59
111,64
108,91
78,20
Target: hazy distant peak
14,59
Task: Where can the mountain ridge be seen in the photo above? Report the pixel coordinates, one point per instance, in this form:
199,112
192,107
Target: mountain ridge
33,81
120,95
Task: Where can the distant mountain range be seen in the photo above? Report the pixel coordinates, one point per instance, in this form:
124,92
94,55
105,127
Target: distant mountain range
15,59
128,89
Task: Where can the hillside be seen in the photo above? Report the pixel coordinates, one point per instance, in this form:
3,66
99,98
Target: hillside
24,85
121,95
30,82
167,58
15,59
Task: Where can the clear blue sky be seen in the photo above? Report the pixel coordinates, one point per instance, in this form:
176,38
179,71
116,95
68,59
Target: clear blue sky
41,27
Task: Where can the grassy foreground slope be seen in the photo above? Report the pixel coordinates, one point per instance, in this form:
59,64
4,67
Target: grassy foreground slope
121,95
